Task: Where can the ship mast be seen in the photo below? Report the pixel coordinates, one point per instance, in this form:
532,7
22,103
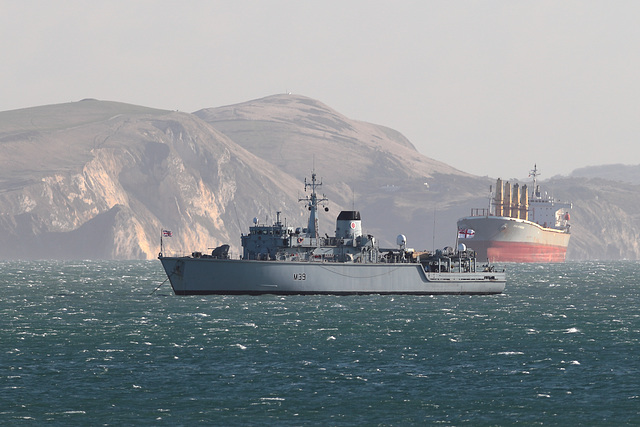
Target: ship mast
312,202
534,173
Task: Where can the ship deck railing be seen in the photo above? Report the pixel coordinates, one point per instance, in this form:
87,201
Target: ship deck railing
481,212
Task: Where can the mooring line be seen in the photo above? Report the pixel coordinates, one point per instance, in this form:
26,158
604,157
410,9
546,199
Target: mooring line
165,281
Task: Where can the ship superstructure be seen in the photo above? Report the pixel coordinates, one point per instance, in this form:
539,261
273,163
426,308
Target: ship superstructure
279,242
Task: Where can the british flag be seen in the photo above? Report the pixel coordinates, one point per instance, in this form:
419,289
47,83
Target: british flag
167,233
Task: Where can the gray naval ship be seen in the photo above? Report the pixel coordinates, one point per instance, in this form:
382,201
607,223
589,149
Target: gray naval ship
278,259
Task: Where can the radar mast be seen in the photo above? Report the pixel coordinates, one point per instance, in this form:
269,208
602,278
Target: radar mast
312,202
534,173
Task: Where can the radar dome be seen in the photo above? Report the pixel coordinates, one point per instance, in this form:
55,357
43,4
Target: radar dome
401,240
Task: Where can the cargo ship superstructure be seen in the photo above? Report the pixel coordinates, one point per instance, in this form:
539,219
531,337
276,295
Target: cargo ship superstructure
280,259
518,226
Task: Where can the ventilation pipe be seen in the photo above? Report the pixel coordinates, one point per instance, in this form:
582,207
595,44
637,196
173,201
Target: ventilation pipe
515,209
524,203
499,198
506,202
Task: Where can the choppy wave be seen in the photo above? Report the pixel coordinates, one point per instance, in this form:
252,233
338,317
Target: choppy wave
88,341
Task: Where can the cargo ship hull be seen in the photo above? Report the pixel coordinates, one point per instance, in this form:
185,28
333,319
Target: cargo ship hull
505,239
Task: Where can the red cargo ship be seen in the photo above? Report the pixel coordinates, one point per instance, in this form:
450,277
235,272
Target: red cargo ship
518,226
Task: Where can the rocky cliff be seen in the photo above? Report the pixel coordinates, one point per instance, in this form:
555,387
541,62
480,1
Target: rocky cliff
97,179
100,180
605,218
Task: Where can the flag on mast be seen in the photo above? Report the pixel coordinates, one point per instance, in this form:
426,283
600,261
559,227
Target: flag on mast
167,233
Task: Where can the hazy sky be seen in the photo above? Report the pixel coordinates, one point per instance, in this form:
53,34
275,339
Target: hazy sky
489,87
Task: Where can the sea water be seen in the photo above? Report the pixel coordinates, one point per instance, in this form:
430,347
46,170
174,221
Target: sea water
91,343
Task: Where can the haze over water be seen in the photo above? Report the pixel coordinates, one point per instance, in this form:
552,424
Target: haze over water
88,343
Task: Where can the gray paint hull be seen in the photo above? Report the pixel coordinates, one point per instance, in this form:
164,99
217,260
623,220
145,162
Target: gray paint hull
200,276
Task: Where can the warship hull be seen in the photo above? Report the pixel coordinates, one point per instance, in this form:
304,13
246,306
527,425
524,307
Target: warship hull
505,239
202,276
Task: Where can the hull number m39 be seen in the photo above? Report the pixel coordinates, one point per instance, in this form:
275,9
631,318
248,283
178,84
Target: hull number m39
299,276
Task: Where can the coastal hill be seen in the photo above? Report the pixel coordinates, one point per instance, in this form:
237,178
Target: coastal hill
100,180
617,172
365,167
605,219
